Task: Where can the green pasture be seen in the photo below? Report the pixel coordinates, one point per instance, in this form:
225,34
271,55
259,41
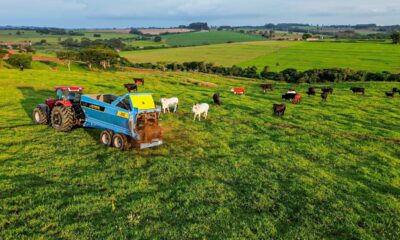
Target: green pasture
322,171
370,56
211,37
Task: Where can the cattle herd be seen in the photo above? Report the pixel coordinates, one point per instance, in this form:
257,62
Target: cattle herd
278,109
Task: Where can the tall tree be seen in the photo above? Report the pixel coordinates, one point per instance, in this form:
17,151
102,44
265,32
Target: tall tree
68,57
395,37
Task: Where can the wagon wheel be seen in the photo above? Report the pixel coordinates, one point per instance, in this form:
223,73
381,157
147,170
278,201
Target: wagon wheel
120,141
106,138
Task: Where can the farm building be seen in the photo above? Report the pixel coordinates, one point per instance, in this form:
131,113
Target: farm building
288,38
12,45
313,39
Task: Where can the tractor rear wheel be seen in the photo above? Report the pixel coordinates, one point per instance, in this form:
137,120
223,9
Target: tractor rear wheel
39,116
106,138
62,118
120,141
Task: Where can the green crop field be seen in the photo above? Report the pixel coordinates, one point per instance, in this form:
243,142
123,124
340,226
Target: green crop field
323,171
33,36
371,56
212,37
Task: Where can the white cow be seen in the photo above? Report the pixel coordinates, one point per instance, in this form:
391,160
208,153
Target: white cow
199,109
169,102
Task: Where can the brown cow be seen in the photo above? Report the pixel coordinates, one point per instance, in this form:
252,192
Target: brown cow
131,87
279,109
139,81
296,99
265,87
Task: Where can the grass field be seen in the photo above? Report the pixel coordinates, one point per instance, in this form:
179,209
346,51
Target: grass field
324,170
212,37
223,54
371,56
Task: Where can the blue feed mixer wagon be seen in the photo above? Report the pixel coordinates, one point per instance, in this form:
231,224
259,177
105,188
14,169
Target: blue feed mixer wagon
127,120
131,116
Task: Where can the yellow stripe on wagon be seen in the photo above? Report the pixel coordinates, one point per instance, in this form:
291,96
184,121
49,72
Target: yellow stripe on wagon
122,114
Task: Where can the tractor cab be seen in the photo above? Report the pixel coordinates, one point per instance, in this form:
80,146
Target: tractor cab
65,93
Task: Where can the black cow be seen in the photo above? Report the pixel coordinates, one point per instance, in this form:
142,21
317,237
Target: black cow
279,109
395,90
358,90
389,94
288,96
131,87
327,90
216,99
311,91
265,87
324,96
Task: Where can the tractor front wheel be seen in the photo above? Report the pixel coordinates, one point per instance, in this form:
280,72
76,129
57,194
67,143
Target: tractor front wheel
120,141
106,138
62,119
39,116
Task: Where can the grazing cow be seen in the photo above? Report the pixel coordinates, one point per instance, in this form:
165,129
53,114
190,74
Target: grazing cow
395,90
311,91
265,87
241,91
389,94
216,99
358,90
324,96
327,90
169,102
296,99
138,81
279,109
199,109
288,96
131,87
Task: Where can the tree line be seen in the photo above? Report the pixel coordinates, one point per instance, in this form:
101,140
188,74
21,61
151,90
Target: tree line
290,75
98,57
114,43
58,31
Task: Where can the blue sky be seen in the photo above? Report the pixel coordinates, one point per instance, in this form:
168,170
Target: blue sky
127,13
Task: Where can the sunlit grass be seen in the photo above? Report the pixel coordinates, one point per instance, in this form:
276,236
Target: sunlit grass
324,170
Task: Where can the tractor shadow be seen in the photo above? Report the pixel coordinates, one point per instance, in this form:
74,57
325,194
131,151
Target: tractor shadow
32,97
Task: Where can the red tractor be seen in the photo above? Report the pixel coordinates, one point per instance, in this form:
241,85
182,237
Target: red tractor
64,112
